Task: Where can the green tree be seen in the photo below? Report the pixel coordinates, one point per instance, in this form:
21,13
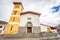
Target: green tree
58,28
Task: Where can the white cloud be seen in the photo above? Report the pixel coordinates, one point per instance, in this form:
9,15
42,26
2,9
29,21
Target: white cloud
41,6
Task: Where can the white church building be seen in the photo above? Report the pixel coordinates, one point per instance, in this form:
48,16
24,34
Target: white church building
29,22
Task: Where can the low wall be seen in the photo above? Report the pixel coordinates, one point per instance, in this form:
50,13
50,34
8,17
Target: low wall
57,38
30,35
33,36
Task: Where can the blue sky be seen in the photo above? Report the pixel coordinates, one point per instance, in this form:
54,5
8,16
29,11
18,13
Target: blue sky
41,6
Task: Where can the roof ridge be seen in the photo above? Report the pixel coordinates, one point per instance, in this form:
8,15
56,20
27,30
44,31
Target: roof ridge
31,13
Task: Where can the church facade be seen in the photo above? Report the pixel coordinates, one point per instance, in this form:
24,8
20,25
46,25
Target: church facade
29,22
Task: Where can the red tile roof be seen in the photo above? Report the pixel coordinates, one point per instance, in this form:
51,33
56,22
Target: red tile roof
18,3
49,26
3,22
44,24
53,27
31,13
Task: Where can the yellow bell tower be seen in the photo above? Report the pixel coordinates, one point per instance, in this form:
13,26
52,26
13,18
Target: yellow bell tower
13,25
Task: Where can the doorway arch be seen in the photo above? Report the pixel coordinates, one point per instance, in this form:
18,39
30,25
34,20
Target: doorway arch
29,27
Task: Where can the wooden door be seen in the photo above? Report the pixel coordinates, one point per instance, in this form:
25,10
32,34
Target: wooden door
29,29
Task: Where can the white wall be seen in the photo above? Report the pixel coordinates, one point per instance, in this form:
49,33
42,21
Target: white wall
54,31
43,28
2,28
34,19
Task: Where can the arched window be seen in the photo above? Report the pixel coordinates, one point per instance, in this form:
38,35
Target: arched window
29,24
